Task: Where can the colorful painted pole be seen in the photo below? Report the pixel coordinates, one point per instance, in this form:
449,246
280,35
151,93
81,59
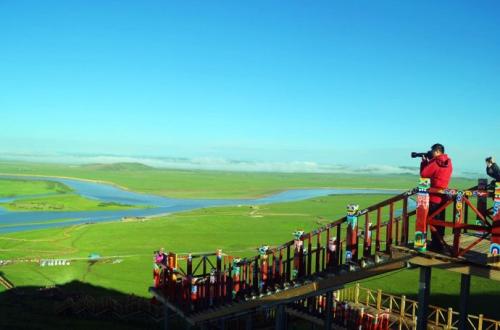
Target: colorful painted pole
298,246
351,253
235,273
495,230
264,268
422,213
332,248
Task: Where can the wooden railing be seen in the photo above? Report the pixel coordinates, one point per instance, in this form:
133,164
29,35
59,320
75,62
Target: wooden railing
195,282
403,311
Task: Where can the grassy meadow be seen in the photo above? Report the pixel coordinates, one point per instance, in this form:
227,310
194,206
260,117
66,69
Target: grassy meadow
66,202
237,230
214,184
17,187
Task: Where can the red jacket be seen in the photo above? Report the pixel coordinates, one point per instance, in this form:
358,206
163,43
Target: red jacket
439,170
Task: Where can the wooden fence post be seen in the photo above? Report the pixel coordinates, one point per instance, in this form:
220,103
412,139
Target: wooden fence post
449,319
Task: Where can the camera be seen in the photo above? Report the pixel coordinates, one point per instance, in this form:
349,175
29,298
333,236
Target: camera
427,154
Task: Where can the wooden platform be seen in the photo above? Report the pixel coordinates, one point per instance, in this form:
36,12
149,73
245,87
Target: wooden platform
315,287
478,253
474,262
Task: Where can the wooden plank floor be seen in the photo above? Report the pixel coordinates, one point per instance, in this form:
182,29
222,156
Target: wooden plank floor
477,254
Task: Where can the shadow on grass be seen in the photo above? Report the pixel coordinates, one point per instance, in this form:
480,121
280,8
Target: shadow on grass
76,305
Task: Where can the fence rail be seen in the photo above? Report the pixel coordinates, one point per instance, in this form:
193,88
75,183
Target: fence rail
362,238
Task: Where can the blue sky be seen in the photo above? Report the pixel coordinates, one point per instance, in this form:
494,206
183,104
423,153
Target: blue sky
339,82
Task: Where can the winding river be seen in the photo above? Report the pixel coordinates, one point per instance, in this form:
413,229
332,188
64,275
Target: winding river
13,221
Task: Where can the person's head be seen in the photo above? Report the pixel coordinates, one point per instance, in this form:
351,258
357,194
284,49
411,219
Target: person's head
489,161
437,149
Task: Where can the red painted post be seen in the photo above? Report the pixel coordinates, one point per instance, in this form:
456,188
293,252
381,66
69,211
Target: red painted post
309,254
218,254
235,275
388,235
482,205
352,233
422,212
396,241
264,268
255,275
280,269
495,230
367,242
338,252
326,259
189,267
288,274
298,265
318,253
377,233
404,218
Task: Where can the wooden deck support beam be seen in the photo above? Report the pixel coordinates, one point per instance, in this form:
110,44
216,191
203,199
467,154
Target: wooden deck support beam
424,289
464,299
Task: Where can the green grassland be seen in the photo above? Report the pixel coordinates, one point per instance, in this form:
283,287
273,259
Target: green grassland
214,184
16,187
67,202
237,230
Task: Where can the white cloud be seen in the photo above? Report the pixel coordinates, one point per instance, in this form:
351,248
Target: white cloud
214,163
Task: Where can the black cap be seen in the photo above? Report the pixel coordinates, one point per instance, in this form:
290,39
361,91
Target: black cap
438,147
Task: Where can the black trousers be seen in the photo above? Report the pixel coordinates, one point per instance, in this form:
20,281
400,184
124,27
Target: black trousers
436,242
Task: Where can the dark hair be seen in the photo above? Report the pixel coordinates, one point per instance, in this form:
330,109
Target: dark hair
489,159
438,147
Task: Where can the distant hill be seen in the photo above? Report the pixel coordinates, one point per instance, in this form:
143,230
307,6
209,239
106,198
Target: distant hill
118,167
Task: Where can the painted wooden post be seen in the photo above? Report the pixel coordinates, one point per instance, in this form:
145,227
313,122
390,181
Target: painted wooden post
495,230
280,270
298,246
318,254
288,275
422,212
377,233
218,254
255,276
367,243
351,253
264,268
235,273
459,205
189,267
388,234
404,218
356,294
332,253
308,255
338,252
482,201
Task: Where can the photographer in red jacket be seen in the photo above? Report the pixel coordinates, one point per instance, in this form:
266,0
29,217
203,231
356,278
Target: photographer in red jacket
437,166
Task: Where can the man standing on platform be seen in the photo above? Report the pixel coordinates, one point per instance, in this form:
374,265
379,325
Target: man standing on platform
492,170
438,168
